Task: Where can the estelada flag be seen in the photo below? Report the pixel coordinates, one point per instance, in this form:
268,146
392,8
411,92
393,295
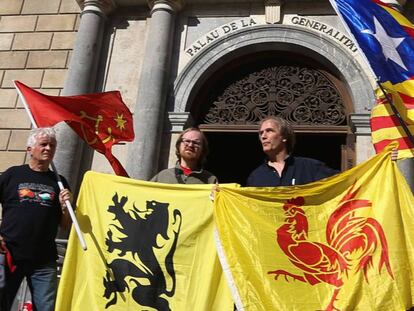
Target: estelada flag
150,247
386,40
342,243
100,119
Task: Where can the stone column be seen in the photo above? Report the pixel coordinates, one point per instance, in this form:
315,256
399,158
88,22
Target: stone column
361,127
149,112
73,155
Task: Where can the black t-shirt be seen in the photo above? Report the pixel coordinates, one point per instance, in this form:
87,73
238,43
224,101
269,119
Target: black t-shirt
297,171
31,213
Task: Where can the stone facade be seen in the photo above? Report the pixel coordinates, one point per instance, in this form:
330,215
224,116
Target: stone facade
159,54
36,38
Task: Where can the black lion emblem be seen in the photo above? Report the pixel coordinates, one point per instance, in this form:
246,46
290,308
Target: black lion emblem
139,231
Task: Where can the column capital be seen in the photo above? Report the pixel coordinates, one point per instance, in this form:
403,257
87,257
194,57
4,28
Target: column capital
100,6
360,123
178,120
172,5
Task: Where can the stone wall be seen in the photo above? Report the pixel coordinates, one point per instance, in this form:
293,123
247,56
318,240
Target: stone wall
36,40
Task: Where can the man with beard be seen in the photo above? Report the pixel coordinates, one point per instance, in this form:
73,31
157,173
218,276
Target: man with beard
191,149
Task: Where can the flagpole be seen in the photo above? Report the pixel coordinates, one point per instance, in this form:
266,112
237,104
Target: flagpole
59,180
397,114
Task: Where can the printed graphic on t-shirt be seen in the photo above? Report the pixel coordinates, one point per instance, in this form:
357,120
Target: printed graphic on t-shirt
36,193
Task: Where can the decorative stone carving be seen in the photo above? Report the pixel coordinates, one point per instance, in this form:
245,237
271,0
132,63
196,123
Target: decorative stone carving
273,10
304,96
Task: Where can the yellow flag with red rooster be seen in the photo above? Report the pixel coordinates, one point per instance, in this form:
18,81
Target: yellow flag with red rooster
344,243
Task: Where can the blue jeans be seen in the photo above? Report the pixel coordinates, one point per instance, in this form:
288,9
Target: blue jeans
42,282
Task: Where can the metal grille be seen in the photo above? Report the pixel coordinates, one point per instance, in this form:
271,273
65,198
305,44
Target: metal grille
304,96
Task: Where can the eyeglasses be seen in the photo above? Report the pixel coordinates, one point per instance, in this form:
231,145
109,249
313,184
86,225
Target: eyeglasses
188,142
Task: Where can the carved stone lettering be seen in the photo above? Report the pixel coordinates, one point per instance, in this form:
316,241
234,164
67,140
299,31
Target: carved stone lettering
226,28
326,29
208,38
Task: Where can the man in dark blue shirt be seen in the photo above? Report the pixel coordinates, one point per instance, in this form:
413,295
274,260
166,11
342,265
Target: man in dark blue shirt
281,168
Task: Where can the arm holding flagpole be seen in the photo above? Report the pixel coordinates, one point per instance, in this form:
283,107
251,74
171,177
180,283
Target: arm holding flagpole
60,184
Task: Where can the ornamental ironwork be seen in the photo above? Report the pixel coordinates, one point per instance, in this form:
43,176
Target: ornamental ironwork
301,95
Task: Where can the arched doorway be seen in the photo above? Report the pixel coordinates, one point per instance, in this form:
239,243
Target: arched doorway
237,96
195,86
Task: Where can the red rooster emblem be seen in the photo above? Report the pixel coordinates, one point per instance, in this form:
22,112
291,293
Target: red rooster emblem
347,235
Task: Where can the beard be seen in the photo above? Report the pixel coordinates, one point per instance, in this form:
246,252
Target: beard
189,155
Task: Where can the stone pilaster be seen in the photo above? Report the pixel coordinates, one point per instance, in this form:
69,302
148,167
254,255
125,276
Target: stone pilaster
178,120
361,127
149,112
360,124
73,156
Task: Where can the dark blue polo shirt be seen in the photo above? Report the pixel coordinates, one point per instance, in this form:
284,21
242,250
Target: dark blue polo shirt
297,171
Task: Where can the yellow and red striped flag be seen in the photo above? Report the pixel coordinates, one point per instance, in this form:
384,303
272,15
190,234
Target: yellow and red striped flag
385,126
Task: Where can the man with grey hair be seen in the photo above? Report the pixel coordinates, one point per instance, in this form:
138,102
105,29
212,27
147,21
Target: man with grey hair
33,207
280,167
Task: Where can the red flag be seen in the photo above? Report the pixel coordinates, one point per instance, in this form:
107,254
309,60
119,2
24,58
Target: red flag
100,119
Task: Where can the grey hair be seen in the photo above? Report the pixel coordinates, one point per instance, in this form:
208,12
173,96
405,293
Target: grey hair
38,132
285,128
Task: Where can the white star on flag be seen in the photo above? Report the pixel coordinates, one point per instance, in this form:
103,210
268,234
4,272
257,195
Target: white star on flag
388,44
